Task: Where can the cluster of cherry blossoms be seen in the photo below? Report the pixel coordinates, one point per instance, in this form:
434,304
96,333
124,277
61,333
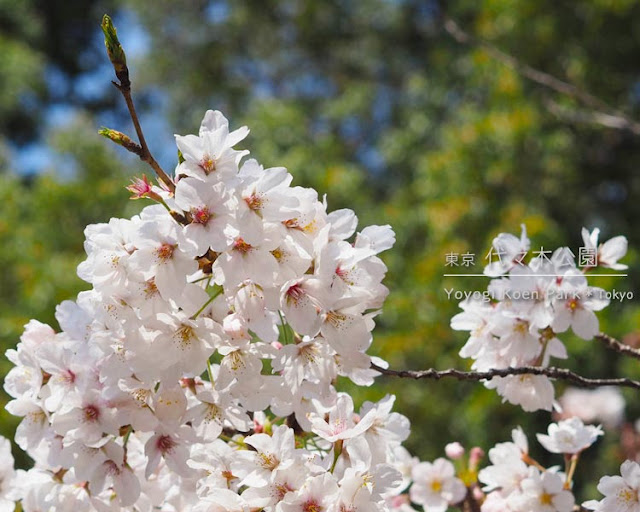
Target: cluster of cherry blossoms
239,277
516,321
197,374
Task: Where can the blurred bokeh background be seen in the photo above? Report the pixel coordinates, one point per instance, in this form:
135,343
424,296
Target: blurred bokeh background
372,102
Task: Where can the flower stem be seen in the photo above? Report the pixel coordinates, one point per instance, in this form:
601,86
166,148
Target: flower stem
285,329
337,451
572,470
210,372
204,306
118,60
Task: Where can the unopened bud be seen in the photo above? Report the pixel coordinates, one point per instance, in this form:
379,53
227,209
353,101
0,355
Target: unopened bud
115,51
121,139
454,450
267,426
477,494
475,456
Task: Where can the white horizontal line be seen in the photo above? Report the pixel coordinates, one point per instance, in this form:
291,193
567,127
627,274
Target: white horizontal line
533,275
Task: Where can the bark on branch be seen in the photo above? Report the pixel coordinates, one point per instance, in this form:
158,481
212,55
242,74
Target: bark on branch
602,113
617,346
119,61
551,372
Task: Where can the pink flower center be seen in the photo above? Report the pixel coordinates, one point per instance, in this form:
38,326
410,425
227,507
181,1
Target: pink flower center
150,288
281,490
91,413
165,252
165,444
241,246
139,187
201,215
208,164
573,304
111,468
311,506
68,376
295,293
254,202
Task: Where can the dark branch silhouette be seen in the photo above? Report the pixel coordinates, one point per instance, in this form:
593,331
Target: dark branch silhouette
617,346
602,113
551,372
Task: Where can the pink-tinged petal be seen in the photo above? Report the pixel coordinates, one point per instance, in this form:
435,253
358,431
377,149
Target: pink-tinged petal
611,251
127,487
630,471
609,485
585,323
564,501
562,319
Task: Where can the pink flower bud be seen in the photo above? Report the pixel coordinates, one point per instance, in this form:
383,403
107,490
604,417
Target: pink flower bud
454,450
475,456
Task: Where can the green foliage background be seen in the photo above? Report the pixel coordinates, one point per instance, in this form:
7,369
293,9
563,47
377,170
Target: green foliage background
370,102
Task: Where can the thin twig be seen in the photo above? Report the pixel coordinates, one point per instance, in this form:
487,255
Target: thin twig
617,346
605,115
551,372
593,117
119,60
470,504
145,155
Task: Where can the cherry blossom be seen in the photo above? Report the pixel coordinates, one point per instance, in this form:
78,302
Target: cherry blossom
199,371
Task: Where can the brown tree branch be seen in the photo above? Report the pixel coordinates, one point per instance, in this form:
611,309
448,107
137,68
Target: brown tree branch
617,346
551,372
119,61
603,114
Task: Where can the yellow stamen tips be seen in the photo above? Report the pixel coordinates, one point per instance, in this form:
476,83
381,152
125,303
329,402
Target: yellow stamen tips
546,499
436,485
627,496
573,304
277,254
165,252
311,506
150,288
311,227
336,319
185,335
254,202
241,246
201,215
282,489
141,395
38,417
213,413
522,327
208,164
236,362
309,353
268,461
